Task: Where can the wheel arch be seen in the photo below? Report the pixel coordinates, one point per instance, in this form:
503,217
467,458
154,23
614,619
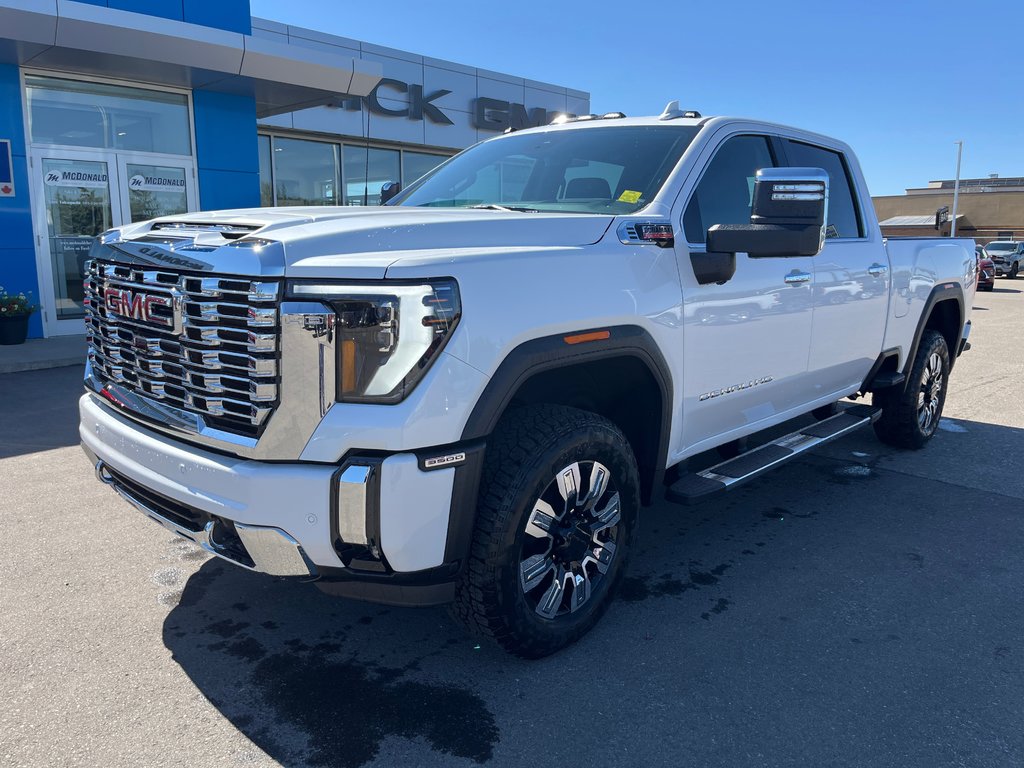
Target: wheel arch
619,374
943,312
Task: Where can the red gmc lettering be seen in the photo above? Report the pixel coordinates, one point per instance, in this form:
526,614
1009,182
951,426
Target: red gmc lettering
136,306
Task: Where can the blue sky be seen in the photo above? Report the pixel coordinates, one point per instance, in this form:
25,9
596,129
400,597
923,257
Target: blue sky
900,80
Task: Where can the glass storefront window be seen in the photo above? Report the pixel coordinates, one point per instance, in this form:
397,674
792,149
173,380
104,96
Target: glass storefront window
416,164
266,174
155,190
366,173
305,172
73,113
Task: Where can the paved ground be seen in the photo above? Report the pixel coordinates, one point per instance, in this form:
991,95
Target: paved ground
861,607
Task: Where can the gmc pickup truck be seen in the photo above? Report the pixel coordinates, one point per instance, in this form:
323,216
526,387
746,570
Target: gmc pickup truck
467,395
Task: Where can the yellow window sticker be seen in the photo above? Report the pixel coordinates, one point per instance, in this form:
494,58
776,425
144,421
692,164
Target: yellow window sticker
629,196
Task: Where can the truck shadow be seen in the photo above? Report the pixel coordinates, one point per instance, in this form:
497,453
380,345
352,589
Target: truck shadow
319,681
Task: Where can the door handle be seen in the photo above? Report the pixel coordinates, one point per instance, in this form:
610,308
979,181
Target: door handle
877,270
796,278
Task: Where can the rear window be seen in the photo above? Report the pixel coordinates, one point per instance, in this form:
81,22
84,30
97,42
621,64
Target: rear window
843,219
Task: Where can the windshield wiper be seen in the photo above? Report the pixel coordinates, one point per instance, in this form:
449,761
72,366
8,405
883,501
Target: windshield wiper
509,208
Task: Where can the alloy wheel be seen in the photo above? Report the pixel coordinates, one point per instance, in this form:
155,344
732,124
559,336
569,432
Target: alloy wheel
570,544
928,399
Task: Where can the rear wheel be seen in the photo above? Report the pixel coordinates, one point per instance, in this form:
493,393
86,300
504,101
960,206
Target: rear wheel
558,510
911,415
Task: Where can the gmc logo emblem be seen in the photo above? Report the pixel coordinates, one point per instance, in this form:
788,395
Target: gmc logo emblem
138,306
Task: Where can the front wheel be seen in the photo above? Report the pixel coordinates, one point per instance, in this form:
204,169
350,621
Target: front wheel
910,416
557,515
1012,274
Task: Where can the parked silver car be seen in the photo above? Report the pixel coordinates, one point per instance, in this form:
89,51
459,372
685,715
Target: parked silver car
1007,257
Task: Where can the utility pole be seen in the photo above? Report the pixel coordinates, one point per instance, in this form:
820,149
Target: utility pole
956,185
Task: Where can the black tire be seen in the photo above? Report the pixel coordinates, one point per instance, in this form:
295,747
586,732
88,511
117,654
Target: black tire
1014,270
902,423
988,288
530,449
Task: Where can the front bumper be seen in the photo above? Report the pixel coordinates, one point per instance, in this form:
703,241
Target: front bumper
378,534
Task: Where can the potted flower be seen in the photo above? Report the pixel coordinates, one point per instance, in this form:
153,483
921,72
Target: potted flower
15,309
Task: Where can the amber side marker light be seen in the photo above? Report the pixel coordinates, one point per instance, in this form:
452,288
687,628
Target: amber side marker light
581,338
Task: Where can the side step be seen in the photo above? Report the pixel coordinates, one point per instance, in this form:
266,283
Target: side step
729,474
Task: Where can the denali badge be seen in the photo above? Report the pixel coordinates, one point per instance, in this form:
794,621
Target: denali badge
733,388
139,306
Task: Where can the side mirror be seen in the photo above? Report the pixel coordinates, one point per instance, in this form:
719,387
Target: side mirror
389,190
787,219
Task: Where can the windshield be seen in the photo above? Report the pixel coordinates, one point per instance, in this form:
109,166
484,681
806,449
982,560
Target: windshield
613,169
1000,247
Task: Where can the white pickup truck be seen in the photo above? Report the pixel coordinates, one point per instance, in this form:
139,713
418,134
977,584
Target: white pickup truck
468,394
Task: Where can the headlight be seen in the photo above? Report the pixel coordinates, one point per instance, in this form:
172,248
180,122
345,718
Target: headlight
387,333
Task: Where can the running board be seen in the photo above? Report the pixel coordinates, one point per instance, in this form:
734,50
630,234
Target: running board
729,474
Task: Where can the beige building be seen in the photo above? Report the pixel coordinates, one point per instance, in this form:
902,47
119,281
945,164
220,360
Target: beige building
989,209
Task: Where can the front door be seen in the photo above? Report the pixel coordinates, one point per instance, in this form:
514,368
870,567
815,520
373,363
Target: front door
745,342
80,194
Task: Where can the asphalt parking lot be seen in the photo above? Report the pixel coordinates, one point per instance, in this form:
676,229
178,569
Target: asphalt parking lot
859,607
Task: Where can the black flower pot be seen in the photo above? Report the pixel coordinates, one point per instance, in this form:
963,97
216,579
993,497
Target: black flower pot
13,330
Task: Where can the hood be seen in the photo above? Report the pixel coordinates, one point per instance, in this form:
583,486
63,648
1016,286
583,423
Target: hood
352,242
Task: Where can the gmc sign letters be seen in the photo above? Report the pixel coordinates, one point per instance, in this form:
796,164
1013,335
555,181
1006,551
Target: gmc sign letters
488,114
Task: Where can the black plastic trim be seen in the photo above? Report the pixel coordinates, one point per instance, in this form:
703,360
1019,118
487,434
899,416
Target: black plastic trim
946,291
462,513
550,352
433,586
869,380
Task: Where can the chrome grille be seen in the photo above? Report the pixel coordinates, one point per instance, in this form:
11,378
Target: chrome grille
210,345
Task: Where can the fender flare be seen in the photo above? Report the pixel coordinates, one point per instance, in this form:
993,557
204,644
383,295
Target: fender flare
946,291
519,366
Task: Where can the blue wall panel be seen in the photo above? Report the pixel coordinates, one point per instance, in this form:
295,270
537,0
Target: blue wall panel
232,15
165,9
17,251
226,150
228,189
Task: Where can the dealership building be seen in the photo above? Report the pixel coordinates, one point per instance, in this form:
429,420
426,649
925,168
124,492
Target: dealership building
987,209
116,111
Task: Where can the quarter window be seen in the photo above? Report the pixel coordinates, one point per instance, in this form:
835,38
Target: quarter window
725,193
842,209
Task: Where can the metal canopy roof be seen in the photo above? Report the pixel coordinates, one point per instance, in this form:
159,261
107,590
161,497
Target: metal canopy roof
912,221
87,39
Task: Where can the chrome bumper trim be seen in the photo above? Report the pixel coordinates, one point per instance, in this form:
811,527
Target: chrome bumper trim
272,550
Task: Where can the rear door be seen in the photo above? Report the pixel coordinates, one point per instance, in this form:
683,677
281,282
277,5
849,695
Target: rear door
851,281
745,342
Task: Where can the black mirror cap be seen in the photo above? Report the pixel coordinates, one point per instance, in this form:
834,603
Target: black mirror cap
713,267
389,190
765,240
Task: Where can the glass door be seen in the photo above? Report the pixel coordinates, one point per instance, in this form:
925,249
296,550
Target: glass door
85,193
78,201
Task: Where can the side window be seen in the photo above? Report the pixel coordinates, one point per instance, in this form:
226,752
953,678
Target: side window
842,210
725,192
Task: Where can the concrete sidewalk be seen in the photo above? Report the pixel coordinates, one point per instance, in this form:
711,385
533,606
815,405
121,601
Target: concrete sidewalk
35,354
